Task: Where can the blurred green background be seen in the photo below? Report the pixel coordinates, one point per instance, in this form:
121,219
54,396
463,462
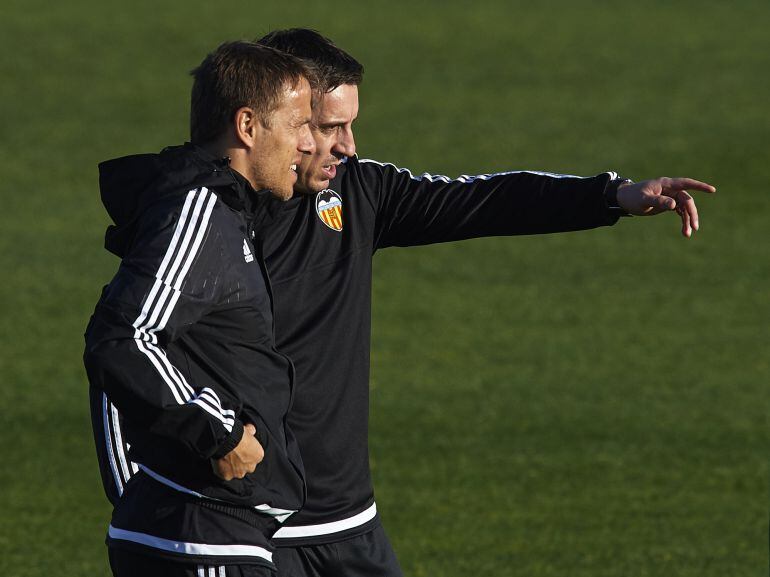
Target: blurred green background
587,404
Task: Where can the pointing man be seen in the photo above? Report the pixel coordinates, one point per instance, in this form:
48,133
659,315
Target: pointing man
319,253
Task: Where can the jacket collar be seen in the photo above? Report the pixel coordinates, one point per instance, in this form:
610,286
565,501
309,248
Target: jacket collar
259,206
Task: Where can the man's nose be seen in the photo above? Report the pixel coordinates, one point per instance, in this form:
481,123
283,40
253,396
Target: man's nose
306,142
346,144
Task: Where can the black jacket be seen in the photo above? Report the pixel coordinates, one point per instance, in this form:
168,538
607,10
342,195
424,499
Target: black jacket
319,253
181,340
322,281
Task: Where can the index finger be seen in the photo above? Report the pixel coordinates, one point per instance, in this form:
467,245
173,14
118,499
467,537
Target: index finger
690,184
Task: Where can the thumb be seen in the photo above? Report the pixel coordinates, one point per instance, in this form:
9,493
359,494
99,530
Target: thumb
250,429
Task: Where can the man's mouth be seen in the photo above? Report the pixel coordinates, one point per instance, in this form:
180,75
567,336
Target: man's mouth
329,170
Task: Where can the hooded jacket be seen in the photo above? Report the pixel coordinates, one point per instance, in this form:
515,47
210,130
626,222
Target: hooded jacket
181,340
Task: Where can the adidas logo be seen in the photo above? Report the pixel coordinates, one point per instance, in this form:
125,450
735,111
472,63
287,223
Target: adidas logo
247,256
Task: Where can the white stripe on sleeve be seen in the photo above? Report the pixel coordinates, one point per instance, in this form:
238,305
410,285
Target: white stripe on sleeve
162,299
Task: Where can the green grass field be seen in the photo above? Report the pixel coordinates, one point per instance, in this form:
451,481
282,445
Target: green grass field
591,404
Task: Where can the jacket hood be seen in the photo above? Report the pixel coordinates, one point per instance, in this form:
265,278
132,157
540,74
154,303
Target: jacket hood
131,184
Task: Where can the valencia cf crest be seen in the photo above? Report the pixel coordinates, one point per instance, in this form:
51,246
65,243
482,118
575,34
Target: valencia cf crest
328,205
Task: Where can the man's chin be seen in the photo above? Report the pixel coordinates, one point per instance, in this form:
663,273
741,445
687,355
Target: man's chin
283,195
302,188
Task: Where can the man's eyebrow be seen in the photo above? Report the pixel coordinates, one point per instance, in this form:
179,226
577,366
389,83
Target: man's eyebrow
333,122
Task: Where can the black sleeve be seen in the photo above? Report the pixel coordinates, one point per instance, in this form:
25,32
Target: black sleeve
413,210
166,282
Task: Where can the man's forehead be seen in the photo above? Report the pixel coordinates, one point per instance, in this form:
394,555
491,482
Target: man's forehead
295,98
296,90
338,104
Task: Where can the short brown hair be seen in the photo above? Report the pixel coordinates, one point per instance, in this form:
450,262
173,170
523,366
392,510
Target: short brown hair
235,75
333,66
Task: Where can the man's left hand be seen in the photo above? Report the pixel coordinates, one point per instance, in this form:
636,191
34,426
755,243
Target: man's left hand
661,195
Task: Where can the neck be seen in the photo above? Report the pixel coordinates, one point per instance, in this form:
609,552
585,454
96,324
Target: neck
237,155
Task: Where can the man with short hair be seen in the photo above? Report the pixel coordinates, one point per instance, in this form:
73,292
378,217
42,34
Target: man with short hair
319,253
201,467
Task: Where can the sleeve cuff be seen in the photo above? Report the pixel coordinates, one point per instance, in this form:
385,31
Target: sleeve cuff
230,442
611,196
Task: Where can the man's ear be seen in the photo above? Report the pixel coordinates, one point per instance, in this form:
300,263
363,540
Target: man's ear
246,126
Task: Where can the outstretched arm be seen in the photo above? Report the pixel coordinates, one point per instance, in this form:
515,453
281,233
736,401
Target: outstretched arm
651,197
414,210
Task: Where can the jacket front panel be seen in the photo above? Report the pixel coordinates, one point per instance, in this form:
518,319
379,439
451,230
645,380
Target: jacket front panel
321,280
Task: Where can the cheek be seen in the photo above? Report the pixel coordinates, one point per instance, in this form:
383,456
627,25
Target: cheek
307,161
323,147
